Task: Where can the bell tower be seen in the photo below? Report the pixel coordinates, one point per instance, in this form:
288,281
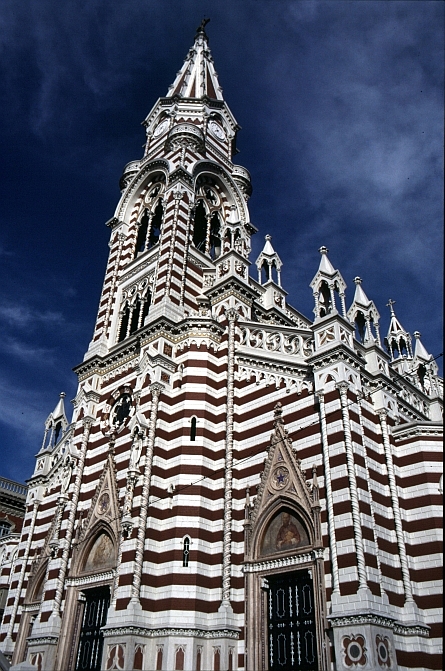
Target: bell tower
183,210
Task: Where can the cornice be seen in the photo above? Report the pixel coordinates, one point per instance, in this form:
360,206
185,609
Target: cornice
380,621
338,353
272,564
417,428
148,632
129,350
231,287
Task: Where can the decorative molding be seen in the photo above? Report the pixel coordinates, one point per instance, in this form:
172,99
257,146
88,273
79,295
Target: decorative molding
90,579
284,562
43,640
170,631
378,621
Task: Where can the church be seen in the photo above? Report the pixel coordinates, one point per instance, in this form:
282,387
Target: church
240,487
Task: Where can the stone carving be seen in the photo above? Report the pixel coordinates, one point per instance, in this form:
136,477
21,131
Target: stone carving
273,340
354,651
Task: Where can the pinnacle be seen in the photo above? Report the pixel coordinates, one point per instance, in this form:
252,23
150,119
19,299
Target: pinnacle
59,410
360,296
197,77
420,351
325,265
268,249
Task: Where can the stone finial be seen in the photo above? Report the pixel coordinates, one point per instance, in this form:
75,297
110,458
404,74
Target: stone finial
323,250
357,280
278,411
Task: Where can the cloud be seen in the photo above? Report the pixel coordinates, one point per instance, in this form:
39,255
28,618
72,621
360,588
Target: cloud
21,316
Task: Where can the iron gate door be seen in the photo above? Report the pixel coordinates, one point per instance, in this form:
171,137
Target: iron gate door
89,654
292,637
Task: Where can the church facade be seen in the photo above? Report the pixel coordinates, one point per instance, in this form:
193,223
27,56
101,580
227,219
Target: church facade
240,487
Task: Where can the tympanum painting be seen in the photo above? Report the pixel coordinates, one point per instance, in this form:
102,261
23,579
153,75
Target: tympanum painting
285,532
101,555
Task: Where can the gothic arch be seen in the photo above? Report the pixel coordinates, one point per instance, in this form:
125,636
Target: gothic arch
132,194
268,517
99,551
36,585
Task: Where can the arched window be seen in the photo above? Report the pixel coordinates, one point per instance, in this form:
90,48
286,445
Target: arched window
5,528
142,234
186,551
360,327
133,316
149,229
124,323
57,430
193,429
159,657
215,237
216,659
325,299
179,661
200,227
156,223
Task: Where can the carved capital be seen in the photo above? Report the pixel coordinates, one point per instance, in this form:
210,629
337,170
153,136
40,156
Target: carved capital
232,315
342,387
87,422
156,389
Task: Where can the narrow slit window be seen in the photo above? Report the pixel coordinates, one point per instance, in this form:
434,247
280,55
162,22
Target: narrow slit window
193,429
186,551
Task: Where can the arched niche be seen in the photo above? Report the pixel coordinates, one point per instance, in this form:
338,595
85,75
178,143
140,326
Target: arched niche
100,554
285,531
36,585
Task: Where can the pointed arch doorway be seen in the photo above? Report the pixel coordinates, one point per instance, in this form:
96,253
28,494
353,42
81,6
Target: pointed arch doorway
292,643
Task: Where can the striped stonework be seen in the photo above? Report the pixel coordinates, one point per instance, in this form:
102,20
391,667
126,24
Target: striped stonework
222,444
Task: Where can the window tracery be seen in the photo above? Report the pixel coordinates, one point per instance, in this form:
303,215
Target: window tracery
150,222
136,302
207,217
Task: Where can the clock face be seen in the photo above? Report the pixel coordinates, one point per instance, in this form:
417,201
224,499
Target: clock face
120,411
216,130
161,128
103,503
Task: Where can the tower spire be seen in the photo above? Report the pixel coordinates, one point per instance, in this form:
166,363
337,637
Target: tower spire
364,314
197,78
398,340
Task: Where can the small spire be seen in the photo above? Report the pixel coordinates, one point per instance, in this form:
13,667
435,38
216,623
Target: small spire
325,265
398,340
59,410
197,77
327,282
364,314
267,260
360,296
420,351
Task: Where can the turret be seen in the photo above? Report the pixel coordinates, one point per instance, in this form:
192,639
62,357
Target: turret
55,425
269,267
398,342
364,315
326,284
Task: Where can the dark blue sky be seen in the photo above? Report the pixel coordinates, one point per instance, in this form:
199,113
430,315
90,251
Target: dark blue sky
341,109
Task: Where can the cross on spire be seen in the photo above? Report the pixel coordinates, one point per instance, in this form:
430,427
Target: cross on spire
390,304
